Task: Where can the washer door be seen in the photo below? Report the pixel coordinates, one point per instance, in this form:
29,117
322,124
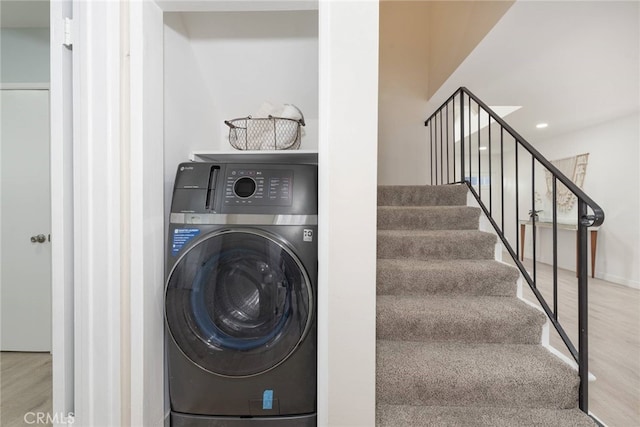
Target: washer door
238,303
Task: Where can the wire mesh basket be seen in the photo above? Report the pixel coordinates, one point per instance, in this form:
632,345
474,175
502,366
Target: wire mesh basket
270,133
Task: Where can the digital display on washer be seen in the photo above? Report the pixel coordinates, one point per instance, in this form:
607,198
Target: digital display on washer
258,187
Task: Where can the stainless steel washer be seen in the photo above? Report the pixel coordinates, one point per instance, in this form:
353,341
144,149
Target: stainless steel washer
240,296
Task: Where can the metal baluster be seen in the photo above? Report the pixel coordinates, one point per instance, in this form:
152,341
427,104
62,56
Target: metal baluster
520,256
583,304
430,148
533,217
502,174
462,136
490,174
435,146
441,152
479,157
470,156
447,144
555,247
453,113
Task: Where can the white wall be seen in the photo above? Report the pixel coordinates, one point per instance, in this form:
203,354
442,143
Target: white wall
146,217
25,55
418,51
612,180
403,149
118,215
347,213
223,65
98,200
237,60
188,105
247,58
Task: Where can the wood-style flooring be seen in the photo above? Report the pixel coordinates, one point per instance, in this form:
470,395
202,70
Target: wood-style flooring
614,340
25,387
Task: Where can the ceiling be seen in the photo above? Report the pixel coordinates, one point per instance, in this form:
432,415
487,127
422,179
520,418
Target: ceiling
570,64
24,14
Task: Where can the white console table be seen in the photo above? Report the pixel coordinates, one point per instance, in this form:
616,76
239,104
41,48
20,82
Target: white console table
593,231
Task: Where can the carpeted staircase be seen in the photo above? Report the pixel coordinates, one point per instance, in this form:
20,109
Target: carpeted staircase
455,346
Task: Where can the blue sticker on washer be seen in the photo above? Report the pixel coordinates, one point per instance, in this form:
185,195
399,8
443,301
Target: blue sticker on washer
267,399
180,238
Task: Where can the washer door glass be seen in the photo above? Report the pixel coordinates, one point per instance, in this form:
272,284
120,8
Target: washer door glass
238,303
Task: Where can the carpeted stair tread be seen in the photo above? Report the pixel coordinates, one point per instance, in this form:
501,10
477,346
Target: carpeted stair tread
438,244
422,195
458,319
447,416
428,218
445,277
455,374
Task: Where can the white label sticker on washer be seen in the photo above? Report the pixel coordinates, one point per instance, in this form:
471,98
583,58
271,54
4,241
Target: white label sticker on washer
180,238
307,235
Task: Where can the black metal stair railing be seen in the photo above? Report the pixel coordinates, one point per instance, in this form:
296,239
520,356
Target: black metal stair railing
470,143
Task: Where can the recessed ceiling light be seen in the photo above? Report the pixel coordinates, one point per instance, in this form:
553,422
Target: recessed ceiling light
542,125
483,148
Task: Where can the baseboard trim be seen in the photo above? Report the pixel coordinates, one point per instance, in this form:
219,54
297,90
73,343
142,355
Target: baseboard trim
635,284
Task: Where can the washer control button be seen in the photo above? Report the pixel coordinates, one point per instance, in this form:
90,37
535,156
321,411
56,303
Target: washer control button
244,187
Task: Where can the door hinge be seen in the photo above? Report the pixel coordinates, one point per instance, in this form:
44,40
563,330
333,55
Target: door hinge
68,39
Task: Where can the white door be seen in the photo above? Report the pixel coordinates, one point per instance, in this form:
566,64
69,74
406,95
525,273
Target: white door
25,221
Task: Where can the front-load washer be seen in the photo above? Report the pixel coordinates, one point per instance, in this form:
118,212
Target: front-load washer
240,295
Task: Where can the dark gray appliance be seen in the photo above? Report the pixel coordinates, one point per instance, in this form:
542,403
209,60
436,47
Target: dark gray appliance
240,296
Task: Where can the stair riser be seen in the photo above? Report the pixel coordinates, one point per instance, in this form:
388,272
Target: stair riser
428,219
416,391
424,195
472,246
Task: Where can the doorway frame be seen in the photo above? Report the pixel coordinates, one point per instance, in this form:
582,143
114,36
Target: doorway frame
61,169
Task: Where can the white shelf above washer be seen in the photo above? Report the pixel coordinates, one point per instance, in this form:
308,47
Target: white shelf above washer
276,156
236,5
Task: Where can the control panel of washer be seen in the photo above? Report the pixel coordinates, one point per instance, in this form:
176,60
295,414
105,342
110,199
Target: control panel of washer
258,187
